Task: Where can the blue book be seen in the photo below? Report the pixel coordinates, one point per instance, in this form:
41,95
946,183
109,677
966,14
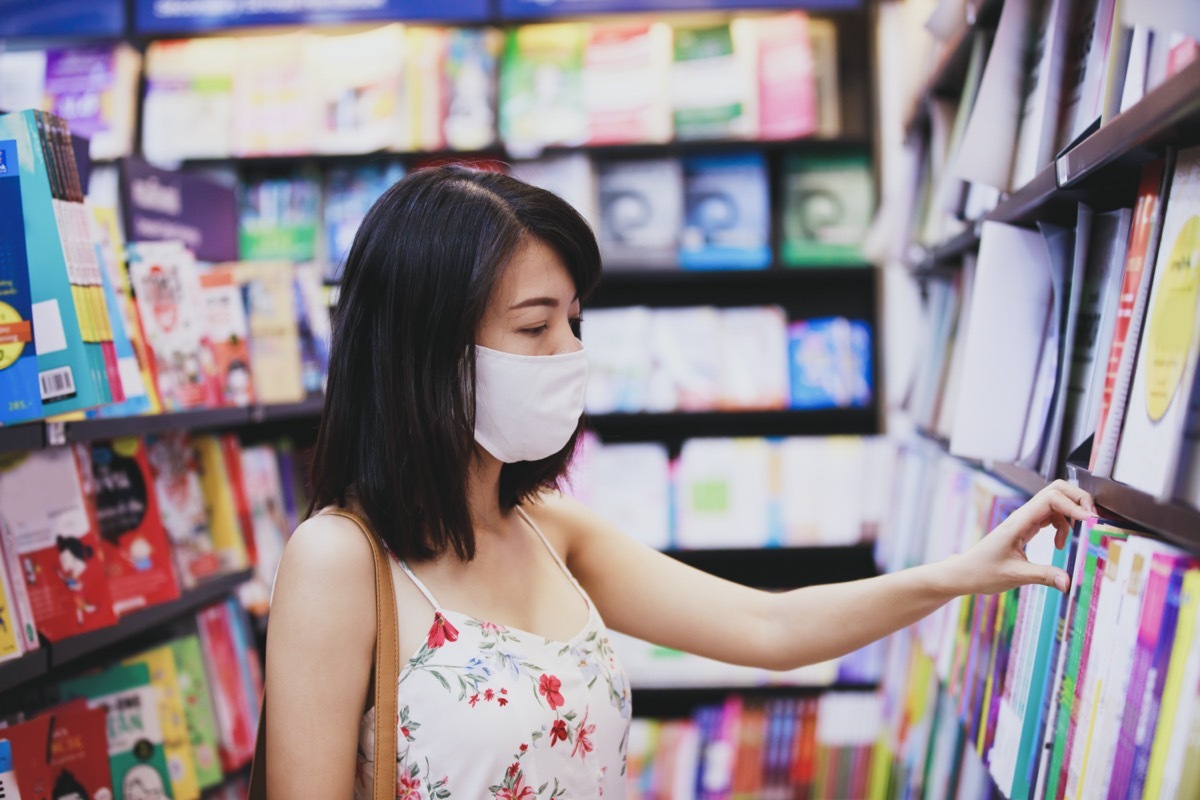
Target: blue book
67,375
20,399
727,215
831,364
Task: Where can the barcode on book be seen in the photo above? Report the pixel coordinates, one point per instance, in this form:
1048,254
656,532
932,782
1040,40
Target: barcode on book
57,384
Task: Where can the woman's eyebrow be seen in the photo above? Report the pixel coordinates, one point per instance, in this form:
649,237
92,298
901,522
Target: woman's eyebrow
530,302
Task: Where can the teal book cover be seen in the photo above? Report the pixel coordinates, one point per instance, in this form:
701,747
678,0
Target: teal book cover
20,399
135,738
828,205
65,371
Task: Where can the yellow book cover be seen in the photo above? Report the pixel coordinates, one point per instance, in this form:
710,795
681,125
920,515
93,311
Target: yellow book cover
274,331
10,643
988,687
1173,688
176,741
427,52
223,519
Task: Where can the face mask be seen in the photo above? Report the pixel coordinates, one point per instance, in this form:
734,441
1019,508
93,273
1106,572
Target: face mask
527,407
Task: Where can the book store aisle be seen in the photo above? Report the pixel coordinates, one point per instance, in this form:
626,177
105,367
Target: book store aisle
856,285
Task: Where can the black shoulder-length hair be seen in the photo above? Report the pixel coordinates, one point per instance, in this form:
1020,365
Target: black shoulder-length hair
397,430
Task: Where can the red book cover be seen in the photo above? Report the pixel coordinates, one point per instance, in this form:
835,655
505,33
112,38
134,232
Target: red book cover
180,500
804,766
1144,216
231,449
115,387
787,87
228,331
235,740
62,754
137,555
43,504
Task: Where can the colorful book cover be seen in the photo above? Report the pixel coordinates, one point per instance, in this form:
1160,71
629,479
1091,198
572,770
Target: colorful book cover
828,205
313,326
472,55
44,505
165,677
711,84
135,737
787,87
274,333
14,579
641,212
357,84
260,471
727,214
274,112
831,365
426,99
137,556
228,331
231,452
626,90
166,286
198,709
278,217
62,753
18,355
349,193
182,507
65,370
541,97
12,641
187,111
230,701
223,515
94,88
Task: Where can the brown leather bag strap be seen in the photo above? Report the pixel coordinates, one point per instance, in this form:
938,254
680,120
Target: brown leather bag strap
387,671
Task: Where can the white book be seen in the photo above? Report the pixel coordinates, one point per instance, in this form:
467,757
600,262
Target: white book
629,485
619,363
723,493
1010,309
685,345
572,177
1039,112
1137,69
1085,71
1151,438
800,465
944,423
754,358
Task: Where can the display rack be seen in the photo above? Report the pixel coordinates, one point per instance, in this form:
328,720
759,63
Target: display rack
46,662
678,702
784,567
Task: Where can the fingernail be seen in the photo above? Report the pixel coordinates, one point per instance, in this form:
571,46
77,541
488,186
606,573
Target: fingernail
1060,581
1092,520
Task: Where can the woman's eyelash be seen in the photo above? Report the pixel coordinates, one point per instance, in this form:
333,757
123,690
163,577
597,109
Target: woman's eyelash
535,331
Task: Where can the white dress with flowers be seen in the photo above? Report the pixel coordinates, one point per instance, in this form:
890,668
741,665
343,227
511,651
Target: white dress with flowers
487,711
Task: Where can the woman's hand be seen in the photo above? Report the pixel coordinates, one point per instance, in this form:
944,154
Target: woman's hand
998,563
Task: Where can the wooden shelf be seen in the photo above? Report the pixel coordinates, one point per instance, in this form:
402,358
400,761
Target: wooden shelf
1172,520
678,702
53,655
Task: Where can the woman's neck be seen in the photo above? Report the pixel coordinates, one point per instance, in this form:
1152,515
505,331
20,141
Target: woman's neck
483,492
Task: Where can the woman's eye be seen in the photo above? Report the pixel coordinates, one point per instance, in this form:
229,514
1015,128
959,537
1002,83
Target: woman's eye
540,329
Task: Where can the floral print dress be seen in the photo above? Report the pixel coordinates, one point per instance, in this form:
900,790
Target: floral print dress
499,713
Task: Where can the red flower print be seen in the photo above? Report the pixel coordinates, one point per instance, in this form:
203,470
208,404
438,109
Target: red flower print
504,691
558,732
491,627
513,769
503,701
408,787
441,632
474,699
548,686
489,695
405,732
519,791
524,747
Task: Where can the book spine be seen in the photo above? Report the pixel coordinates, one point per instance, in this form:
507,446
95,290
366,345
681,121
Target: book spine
12,563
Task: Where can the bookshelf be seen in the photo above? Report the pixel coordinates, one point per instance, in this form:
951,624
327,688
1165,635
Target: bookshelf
784,567
675,703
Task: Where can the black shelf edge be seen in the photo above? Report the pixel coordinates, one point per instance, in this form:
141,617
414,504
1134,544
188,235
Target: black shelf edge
110,427
23,437
784,567
1172,520
28,667
1022,478
1026,201
627,287
145,620
311,406
936,258
785,422
674,147
1156,119
674,702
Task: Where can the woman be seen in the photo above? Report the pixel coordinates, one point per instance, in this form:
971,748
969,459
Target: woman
456,386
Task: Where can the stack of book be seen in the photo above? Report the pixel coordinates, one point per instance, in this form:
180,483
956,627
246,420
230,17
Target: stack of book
91,533
739,493
166,722
808,747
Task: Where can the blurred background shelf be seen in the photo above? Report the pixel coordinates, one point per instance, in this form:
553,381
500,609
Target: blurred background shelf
784,567
677,426
681,701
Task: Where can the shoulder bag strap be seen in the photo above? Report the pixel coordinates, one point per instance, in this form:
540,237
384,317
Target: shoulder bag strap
387,670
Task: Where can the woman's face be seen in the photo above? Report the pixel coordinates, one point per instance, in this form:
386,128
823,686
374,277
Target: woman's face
534,309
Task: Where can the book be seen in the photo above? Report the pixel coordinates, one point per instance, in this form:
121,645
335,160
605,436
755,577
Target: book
541,98
228,332
425,101
1151,437
275,111
62,752
349,192
274,333
1135,286
625,82
197,709
177,746
166,286
713,92
357,86
94,88
260,472
221,497
24,623
135,737
137,555
754,358
1089,34
684,344
621,370
640,212
721,497
12,637
313,326
831,363
726,213
828,205
44,505
472,57
236,711
277,217
181,504
787,81
572,177
627,484
1044,61
18,352
69,379
187,110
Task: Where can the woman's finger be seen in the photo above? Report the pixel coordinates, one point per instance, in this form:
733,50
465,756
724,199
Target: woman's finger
1073,492
1068,507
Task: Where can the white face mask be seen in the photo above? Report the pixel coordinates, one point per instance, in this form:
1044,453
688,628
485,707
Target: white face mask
527,407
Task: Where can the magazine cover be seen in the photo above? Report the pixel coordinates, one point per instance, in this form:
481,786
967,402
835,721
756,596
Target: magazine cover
182,507
63,753
198,709
18,356
228,331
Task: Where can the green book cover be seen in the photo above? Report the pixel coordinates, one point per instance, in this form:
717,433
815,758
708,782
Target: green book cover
135,740
709,87
828,204
541,87
198,709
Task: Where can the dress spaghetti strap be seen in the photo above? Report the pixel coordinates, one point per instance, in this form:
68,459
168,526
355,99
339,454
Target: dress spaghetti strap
554,554
421,587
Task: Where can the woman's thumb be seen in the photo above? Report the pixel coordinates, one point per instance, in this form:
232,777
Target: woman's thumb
1048,576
